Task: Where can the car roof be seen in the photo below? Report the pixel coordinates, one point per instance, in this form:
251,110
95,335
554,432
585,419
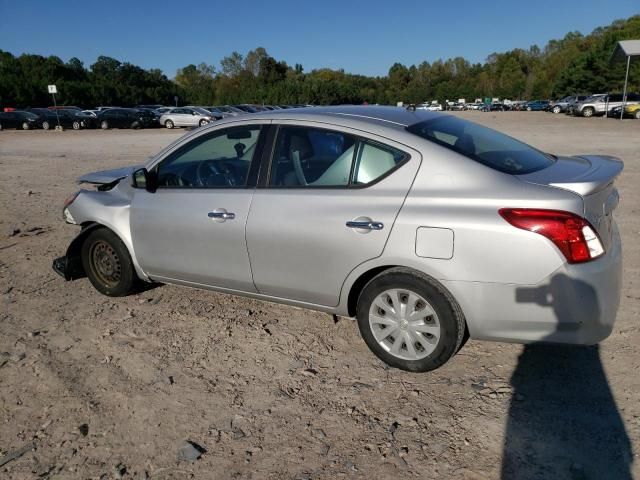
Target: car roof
351,115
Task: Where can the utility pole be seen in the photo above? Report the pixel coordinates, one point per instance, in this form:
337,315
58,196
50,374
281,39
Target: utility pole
624,94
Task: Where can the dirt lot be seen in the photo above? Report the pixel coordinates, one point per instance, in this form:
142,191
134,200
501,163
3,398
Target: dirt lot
111,388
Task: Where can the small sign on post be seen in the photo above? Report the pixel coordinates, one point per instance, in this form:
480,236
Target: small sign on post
53,90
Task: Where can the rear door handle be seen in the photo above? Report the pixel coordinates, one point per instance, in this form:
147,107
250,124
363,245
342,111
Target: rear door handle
221,215
365,225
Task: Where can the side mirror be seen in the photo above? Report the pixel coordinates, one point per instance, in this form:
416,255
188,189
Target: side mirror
142,178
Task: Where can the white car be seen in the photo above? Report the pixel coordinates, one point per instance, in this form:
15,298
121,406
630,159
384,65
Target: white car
185,117
433,107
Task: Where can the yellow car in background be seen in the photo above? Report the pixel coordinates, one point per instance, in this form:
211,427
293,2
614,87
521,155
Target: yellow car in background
630,111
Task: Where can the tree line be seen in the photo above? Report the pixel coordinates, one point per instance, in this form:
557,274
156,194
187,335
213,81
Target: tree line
572,65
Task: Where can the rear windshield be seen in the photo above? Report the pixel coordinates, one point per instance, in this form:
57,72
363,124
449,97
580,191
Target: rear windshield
489,147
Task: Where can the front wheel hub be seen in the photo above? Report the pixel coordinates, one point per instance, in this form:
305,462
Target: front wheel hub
105,263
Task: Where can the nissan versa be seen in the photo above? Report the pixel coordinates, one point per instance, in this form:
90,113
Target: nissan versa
427,228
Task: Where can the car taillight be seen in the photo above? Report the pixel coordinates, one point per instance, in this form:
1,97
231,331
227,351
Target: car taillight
573,235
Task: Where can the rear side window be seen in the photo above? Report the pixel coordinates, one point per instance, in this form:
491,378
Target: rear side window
484,145
373,161
315,157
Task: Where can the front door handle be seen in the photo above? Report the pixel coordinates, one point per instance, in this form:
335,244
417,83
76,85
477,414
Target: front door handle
221,215
365,225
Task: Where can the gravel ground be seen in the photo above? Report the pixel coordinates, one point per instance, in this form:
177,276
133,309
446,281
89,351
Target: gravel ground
96,387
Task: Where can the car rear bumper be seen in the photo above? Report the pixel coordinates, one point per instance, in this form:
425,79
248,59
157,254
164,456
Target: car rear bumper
577,304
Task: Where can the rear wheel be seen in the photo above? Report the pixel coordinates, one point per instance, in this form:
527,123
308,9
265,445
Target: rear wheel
45,125
409,321
168,124
556,109
76,125
529,109
587,112
636,115
0,126
203,122
107,263
25,126
104,125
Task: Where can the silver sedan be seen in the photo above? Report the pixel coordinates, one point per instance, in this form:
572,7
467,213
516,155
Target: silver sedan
427,228
185,117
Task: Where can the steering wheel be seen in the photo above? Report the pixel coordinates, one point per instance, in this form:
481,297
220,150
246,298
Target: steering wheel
206,170
297,167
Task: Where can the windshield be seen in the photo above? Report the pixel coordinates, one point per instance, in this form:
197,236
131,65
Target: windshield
489,147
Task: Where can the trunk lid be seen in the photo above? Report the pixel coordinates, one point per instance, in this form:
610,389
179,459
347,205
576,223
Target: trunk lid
590,176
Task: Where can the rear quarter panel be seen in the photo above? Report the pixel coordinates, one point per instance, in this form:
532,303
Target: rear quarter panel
453,192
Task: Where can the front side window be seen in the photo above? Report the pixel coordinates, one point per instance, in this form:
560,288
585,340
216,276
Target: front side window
315,157
218,160
489,147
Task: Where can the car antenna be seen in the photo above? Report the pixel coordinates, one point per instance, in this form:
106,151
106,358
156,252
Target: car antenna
411,106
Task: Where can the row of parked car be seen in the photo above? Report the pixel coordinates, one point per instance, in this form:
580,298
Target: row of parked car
609,104
142,116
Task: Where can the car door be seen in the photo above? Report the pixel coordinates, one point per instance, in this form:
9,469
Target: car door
328,205
191,118
192,228
66,118
178,116
114,118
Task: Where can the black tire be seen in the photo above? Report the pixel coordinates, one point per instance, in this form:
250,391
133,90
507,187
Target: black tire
529,109
45,125
0,126
588,112
26,126
108,265
168,124
203,122
76,125
104,125
636,115
557,109
450,317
